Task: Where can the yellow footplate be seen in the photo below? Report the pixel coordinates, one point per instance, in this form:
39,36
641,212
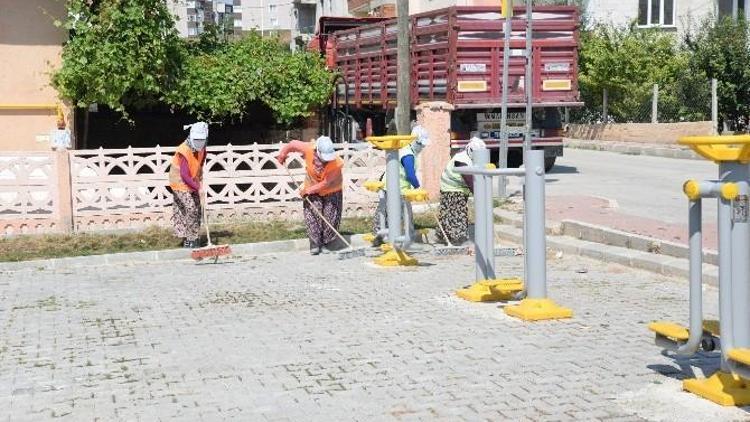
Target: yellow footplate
492,290
721,388
415,195
373,185
669,330
740,356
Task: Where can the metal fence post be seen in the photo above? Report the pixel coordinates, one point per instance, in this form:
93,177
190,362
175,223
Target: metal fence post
714,107
480,158
655,105
605,99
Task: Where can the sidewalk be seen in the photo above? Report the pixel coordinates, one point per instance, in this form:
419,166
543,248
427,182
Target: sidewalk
603,212
292,337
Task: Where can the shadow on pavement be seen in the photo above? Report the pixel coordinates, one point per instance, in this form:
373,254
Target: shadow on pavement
558,169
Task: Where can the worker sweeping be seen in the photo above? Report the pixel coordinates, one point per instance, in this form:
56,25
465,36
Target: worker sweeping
455,190
185,179
407,177
322,189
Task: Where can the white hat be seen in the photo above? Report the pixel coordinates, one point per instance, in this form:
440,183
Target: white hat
324,148
198,135
198,130
423,138
475,144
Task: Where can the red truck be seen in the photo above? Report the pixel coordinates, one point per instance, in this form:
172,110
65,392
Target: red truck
457,57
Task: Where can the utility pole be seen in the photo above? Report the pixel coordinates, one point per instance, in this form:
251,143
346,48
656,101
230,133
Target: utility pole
528,83
403,97
507,13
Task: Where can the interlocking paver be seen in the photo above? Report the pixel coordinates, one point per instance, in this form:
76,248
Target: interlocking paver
292,337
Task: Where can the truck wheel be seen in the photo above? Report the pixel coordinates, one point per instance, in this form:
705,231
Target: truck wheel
549,162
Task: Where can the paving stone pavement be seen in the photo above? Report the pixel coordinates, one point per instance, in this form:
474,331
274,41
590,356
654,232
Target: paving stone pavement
291,337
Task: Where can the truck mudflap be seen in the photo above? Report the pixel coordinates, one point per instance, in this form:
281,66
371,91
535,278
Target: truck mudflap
553,147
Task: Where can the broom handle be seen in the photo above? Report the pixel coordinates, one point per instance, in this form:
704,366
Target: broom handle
320,214
317,211
440,225
205,215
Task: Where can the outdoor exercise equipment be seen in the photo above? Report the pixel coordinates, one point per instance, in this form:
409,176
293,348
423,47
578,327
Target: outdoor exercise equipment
536,306
409,196
729,386
395,251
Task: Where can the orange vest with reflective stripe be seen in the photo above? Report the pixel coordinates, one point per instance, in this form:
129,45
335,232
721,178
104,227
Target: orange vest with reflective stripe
195,165
329,171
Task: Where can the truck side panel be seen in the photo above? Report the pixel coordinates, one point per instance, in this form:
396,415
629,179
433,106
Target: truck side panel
457,56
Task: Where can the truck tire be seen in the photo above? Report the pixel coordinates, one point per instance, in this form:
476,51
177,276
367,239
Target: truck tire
549,162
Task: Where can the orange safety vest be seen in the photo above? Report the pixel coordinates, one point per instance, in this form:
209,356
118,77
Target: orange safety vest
195,165
329,171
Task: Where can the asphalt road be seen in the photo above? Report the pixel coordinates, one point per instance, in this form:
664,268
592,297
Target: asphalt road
642,186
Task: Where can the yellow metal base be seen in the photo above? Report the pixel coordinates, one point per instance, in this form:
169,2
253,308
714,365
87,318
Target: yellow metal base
492,290
721,388
537,310
368,237
670,330
395,258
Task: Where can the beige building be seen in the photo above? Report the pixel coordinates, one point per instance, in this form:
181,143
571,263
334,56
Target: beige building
30,47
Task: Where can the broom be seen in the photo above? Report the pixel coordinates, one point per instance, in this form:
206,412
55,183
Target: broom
348,253
210,250
451,249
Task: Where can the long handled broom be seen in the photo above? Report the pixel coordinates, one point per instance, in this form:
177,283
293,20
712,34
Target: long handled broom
350,251
210,250
451,249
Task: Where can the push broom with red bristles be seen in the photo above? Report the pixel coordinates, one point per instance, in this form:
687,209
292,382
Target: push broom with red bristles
210,250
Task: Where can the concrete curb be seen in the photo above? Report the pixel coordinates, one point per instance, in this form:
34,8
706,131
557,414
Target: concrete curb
630,148
614,246
612,237
659,264
238,250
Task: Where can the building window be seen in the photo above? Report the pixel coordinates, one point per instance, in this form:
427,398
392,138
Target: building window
726,8
272,9
656,12
274,22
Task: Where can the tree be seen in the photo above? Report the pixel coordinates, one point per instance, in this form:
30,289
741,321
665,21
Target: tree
626,62
120,53
720,50
127,53
221,82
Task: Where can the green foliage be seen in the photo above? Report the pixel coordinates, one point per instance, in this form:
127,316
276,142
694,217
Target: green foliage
120,53
127,53
720,50
627,62
221,82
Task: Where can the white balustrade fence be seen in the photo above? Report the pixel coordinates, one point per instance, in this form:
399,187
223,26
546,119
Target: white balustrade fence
128,188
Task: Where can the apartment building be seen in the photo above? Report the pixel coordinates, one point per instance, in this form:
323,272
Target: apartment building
294,21
192,15
671,15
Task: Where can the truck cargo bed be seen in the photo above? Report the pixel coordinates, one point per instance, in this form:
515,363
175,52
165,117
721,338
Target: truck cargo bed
457,56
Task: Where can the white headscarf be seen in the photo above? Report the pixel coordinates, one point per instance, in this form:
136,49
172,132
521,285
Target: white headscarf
423,139
473,145
198,135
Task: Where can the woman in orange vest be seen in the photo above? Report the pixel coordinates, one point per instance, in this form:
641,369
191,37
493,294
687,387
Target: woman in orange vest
185,177
322,189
